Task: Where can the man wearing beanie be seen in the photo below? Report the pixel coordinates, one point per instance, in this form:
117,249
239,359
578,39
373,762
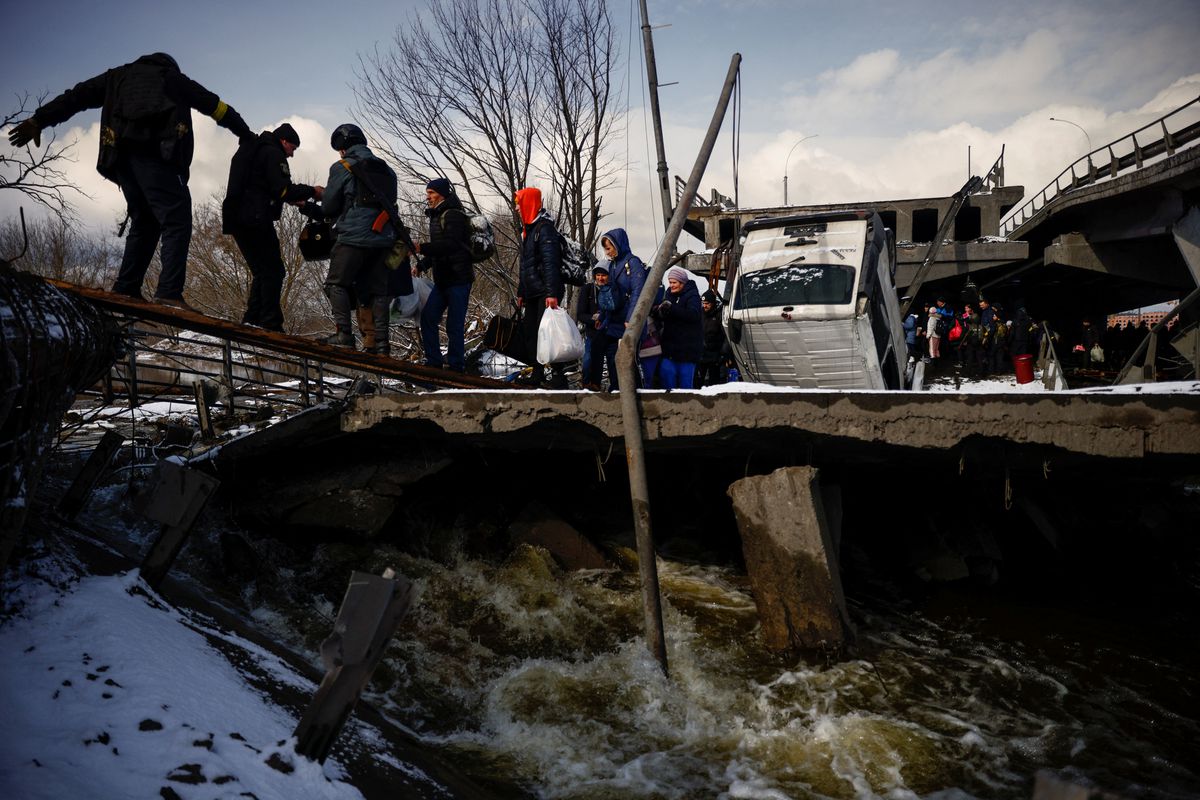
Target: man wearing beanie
447,255
259,184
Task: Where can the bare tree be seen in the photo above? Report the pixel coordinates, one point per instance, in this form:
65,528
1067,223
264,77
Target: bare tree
62,250
577,60
492,92
38,174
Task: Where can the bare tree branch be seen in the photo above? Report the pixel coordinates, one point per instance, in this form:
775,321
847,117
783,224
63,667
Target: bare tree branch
37,174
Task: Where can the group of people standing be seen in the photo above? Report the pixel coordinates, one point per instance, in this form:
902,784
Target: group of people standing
682,345
146,148
981,338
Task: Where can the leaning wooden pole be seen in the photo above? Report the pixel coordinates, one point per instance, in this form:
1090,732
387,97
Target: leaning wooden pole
635,454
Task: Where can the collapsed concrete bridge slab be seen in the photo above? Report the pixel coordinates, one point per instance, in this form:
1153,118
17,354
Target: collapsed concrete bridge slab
1107,425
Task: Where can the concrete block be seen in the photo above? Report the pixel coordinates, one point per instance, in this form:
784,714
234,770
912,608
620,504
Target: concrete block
791,560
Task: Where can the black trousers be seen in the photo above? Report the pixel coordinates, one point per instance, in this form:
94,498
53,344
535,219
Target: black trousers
354,270
260,246
160,207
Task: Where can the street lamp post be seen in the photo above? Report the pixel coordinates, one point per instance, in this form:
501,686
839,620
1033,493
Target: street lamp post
789,158
1085,134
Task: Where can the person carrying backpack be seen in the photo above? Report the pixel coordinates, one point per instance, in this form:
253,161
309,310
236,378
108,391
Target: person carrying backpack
146,146
366,232
448,255
259,184
540,283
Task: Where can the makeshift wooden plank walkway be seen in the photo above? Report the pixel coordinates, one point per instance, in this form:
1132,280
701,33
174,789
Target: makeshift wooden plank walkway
282,343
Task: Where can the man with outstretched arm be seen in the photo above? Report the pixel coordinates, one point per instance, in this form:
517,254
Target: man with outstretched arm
146,145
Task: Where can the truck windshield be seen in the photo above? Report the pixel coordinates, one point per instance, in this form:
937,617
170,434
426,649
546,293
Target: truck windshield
796,284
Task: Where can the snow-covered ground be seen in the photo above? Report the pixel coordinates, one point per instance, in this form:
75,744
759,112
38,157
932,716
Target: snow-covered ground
107,691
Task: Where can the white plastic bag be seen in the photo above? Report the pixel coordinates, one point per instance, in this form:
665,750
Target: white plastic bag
410,306
558,338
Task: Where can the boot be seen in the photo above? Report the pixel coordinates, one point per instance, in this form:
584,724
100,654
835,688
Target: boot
339,304
342,338
381,311
366,326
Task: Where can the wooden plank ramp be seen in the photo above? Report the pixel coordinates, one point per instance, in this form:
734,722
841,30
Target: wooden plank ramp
296,346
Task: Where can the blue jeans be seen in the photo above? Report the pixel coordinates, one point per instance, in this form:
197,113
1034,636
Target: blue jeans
453,298
677,374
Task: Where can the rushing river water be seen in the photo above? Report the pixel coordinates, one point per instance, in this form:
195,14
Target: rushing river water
535,681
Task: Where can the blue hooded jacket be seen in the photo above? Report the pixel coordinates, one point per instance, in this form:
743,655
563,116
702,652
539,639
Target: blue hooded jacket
627,273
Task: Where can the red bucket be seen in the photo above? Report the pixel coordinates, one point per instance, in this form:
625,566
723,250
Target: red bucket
1024,368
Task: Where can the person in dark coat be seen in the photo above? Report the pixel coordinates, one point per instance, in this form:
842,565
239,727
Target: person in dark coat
682,331
447,255
599,313
146,145
540,284
1022,332
357,266
716,346
259,184
1089,337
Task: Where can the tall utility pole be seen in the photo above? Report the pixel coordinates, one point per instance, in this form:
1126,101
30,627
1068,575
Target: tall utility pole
652,76
631,415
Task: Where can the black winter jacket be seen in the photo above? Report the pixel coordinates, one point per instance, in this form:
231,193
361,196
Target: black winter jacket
682,324
146,109
715,343
448,251
260,182
541,261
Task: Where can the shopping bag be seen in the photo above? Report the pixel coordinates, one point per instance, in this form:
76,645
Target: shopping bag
409,306
1097,354
651,344
558,338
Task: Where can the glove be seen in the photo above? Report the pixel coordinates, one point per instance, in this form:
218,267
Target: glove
25,132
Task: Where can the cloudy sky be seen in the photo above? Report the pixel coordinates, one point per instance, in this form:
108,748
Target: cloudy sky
893,93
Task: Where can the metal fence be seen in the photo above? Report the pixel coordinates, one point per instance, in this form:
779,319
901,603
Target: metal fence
1110,160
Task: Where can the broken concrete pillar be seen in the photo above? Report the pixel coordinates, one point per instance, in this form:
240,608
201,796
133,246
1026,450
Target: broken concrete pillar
791,560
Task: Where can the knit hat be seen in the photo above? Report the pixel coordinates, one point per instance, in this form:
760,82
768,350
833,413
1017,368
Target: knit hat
441,186
709,297
287,133
600,268
677,274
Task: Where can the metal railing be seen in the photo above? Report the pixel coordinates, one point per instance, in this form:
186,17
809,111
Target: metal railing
1085,170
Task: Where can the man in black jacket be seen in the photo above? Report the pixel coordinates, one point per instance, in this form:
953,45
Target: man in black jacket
716,346
146,145
448,255
540,284
259,184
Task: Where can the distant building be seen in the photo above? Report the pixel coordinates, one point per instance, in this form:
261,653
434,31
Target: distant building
1135,317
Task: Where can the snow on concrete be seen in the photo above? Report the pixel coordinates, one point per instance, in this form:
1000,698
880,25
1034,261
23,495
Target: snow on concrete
115,694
